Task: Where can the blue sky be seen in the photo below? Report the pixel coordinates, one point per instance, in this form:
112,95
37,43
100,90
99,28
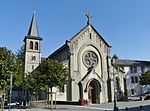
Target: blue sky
124,24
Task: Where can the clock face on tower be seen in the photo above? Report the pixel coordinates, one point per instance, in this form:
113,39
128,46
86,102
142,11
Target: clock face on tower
33,58
90,59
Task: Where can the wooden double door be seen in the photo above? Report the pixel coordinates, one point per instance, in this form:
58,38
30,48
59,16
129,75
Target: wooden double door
93,92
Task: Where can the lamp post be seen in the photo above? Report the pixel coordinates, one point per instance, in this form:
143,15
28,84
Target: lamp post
115,99
11,78
25,91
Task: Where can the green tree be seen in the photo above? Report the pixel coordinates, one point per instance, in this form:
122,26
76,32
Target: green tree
10,63
53,73
49,74
19,67
34,82
7,66
145,78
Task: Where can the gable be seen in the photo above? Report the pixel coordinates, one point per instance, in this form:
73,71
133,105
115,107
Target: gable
89,31
86,36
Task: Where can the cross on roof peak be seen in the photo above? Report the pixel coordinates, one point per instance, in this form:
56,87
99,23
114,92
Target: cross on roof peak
89,16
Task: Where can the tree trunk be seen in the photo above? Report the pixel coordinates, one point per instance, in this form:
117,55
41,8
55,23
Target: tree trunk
2,103
51,97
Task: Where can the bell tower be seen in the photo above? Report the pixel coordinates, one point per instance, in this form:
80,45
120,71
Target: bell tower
32,47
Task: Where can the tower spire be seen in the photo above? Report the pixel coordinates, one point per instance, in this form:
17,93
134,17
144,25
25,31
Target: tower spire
89,16
33,30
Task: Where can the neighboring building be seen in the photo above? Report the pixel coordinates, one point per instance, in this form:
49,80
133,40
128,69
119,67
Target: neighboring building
133,70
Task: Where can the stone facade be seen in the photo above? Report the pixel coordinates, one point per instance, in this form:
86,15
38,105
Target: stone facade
87,56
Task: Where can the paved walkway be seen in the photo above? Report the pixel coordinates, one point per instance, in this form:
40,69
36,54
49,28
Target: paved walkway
132,105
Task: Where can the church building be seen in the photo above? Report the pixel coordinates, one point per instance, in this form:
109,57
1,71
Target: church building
92,75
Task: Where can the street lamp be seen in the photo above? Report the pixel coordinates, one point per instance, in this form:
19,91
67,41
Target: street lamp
115,99
10,89
25,90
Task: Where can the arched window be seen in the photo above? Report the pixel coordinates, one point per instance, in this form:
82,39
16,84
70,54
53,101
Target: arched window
32,67
36,45
31,45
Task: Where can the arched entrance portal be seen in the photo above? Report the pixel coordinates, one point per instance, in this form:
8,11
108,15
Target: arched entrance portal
94,91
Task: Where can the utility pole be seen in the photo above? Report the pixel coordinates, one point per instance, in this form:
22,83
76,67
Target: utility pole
10,90
115,99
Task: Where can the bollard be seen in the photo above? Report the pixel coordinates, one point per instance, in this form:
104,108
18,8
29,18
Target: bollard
116,109
141,108
127,109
